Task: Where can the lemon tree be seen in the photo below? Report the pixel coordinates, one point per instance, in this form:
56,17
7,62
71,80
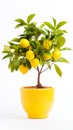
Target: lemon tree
38,47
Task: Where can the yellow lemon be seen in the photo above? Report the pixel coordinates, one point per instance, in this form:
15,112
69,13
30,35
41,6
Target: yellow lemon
30,55
47,44
47,56
23,69
56,54
35,62
24,43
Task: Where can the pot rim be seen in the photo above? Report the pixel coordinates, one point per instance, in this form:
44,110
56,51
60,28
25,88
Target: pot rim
35,88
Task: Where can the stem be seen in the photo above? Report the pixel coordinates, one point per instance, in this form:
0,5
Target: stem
38,78
46,68
41,70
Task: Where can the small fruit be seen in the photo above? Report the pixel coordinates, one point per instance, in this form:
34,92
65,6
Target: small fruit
23,69
35,62
60,41
47,56
47,44
30,55
24,43
56,54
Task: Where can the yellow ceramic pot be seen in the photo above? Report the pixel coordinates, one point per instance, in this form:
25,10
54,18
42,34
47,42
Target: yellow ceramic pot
37,102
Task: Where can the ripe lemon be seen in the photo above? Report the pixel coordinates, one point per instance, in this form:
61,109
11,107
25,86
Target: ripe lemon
47,56
23,69
35,62
30,55
24,43
47,44
56,54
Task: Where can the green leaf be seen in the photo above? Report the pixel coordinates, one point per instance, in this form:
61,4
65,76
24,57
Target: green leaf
49,66
49,25
60,41
6,48
15,40
30,17
66,48
52,37
41,61
60,24
60,31
54,21
11,65
21,21
14,63
6,56
58,70
42,25
63,60
13,44
28,64
19,25
64,31
42,31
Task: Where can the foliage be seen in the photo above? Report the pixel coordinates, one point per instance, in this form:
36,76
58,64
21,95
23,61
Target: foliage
37,46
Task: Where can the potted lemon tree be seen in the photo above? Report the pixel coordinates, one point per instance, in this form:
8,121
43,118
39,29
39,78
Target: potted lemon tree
38,47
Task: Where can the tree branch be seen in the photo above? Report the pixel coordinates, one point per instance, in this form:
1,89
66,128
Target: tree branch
46,68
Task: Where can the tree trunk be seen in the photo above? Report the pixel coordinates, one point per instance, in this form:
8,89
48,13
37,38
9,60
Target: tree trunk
38,80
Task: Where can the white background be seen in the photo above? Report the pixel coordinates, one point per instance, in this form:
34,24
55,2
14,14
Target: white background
12,116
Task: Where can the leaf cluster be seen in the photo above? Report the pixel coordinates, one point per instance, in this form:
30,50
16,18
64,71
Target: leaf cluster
36,35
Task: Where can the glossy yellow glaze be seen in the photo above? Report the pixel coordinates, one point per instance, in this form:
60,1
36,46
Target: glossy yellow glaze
37,102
